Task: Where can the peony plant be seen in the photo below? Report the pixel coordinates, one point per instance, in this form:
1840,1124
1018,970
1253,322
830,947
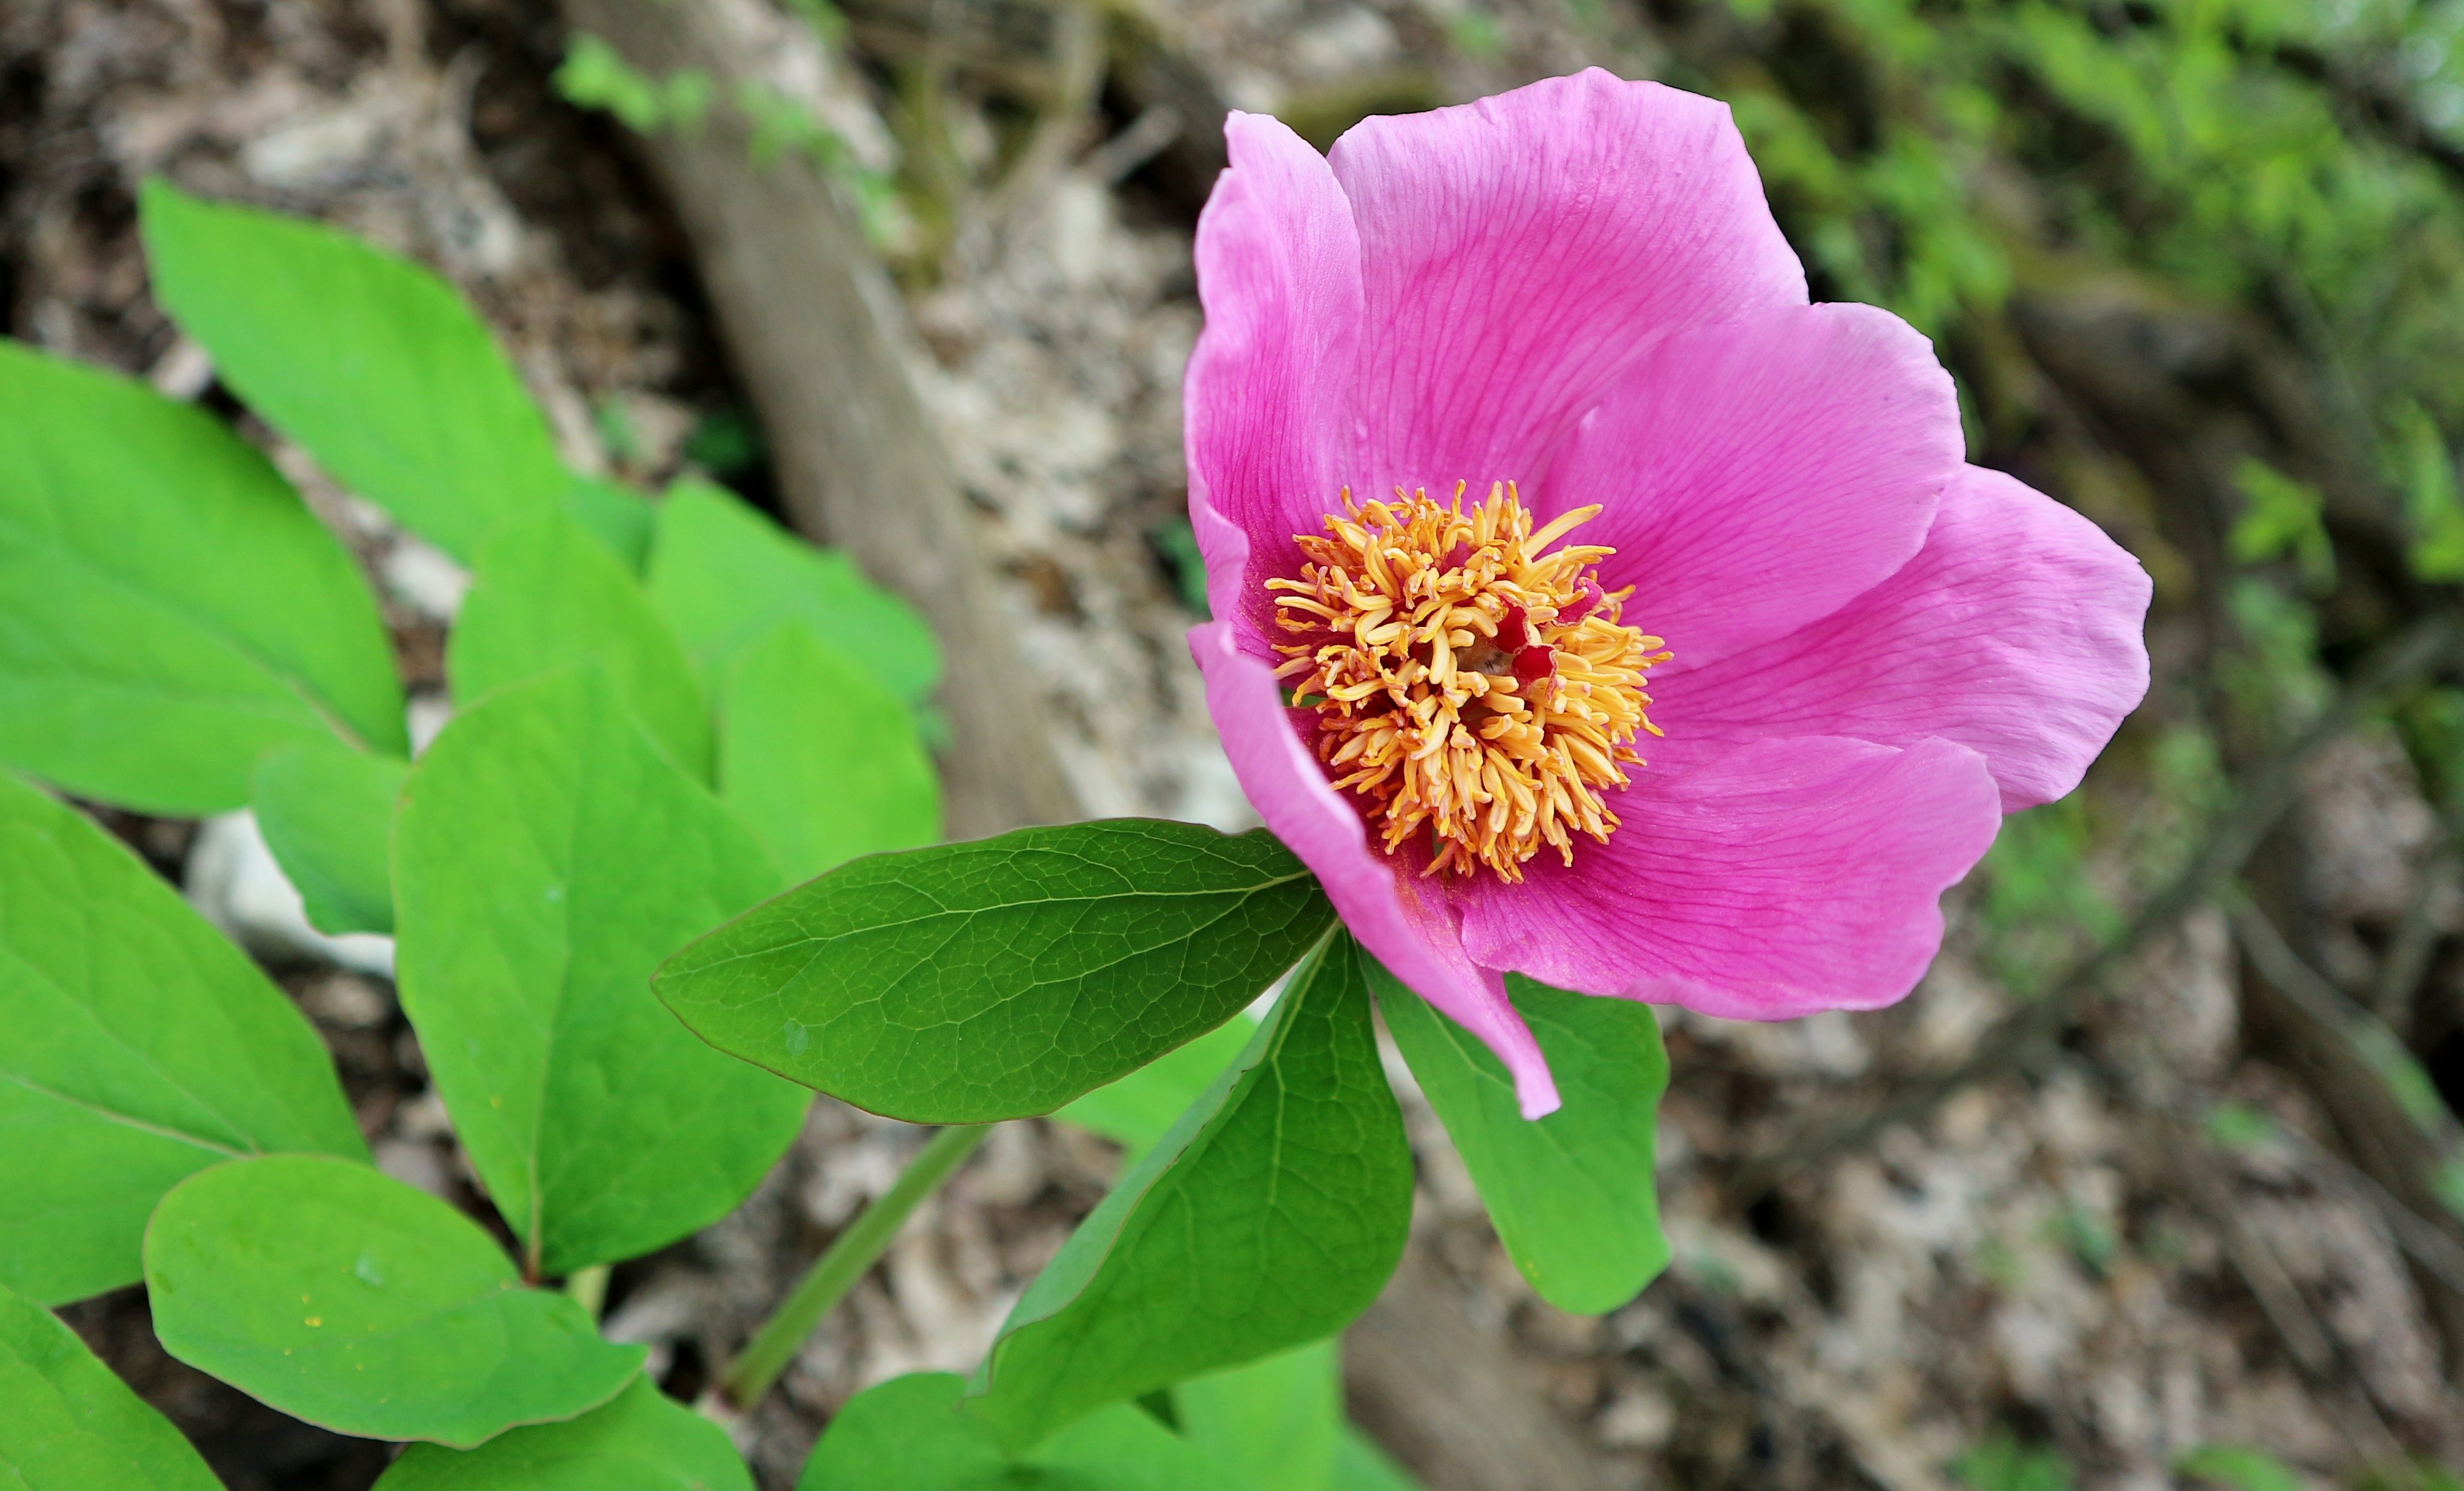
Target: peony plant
1595,624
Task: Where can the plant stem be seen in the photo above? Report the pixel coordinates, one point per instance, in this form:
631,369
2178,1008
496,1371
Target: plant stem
588,1287
849,1256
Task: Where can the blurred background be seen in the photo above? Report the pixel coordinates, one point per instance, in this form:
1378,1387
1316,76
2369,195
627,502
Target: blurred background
2155,1182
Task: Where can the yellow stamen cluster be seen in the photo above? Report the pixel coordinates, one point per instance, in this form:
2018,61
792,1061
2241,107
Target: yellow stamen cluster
1478,689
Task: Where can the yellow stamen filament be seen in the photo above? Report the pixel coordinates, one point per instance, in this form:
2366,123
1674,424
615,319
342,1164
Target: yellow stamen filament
1479,692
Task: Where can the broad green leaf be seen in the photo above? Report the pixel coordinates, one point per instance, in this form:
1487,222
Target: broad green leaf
1270,1216
547,596
616,516
1000,978
139,1047
909,1435
1275,1424
342,1296
326,812
546,855
372,363
1137,1109
1574,1195
726,577
71,1425
169,610
819,760
643,1441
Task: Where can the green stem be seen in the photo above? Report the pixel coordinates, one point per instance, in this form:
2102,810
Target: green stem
588,1287
851,1256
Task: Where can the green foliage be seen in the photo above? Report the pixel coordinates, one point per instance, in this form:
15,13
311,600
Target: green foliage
2425,475
2090,1240
73,1426
544,596
1139,1109
178,634
327,814
169,610
909,1435
2290,160
817,758
1571,1194
142,1047
1176,542
1003,977
372,363
2274,677
1270,1216
642,1441
2241,1128
616,516
362,1304
546,856
593,76
2235,1467
2281,518
1273,1425
724,441
2002,1464
2039,904
725,577
2433,725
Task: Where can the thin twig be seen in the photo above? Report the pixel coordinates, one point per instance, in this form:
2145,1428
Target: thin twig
2018,1038
2414,945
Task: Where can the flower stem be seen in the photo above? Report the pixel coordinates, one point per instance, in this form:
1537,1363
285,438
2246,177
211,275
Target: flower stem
848,1258
588,1287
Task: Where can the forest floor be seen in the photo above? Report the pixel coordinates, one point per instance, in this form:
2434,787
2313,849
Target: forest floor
2085,1258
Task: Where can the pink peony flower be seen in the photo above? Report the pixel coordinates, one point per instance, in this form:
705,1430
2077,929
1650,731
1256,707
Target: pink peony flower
1507,415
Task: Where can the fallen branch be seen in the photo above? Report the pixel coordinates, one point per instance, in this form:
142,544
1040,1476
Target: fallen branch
817,334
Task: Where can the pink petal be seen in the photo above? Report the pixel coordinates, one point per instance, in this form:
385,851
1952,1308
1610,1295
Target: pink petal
1519,251
1785,877
2015,631
1266,417
1402,919
1757,477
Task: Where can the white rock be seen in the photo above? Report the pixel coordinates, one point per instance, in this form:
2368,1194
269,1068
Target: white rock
232,880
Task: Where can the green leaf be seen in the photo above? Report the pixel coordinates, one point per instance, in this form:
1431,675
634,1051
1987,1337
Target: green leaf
1572,1194
643,1441
546,596
73,1426
726,577
1270,1216
616,516
907,1434
372,363
1137,1109
999,978
169,610
546,855
2001,1463
1360,1465
2239,1468
326,812
819,760
1275,1424
365,1306
141,1048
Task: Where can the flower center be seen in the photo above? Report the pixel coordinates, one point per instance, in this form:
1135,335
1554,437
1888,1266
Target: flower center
1473,688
